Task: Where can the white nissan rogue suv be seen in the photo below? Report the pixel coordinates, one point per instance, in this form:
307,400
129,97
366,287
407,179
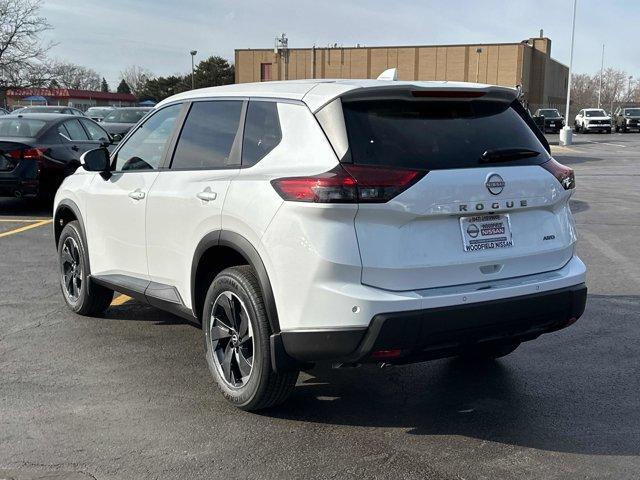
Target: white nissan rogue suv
338,221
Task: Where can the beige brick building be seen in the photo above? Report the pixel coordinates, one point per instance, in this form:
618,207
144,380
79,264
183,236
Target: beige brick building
527,63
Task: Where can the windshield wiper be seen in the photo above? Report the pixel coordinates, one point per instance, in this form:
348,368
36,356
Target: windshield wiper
507,154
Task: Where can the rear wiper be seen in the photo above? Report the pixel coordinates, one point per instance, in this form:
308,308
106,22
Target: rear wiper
507,154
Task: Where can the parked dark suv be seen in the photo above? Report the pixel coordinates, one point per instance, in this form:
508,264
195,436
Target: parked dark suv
553,121
626,119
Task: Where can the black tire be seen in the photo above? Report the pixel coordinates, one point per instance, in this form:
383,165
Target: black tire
608,131
260,388
89,298
490,352
575,127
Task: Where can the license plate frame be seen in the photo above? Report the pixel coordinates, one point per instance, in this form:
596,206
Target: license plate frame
487,231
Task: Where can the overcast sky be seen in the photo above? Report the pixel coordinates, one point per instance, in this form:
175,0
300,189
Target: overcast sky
158,34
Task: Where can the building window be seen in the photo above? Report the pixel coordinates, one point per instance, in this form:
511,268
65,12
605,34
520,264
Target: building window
265,72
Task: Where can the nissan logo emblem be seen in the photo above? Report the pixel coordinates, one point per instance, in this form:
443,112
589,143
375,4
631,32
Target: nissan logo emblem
495,184
473,230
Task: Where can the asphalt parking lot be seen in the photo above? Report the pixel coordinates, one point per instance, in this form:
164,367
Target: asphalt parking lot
129,396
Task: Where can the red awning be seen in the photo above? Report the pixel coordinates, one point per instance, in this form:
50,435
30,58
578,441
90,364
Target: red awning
70,93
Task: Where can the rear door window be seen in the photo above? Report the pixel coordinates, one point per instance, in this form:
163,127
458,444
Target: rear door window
208,135
76,132
262,131
434,135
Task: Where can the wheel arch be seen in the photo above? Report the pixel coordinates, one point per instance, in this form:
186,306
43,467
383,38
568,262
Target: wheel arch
68,211
226,248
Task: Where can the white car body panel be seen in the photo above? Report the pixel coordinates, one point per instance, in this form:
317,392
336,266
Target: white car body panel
115,223
414,242
177,220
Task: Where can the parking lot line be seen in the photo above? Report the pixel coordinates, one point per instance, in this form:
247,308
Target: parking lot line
607,143
120,299
562,148
21,220
26,227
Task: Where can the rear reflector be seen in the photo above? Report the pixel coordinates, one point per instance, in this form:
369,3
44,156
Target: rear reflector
564,174
348,183
386,354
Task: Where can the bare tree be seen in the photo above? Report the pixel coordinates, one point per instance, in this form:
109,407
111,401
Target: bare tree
70,75
20,46
616,89
635,92
136,77
584,90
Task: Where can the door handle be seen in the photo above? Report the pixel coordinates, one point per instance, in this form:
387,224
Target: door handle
207,195
75,148
137,194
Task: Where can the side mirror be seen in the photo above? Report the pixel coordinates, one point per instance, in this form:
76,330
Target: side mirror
116,137
96,160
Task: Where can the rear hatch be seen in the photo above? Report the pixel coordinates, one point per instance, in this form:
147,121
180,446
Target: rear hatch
487,204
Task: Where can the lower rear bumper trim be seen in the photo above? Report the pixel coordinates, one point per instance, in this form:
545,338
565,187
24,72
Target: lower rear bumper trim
444,331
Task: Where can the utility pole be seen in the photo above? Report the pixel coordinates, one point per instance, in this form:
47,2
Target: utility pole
629,88
566,133
193,69
601,75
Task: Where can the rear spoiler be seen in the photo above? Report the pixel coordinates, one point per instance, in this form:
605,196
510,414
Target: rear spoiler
413,92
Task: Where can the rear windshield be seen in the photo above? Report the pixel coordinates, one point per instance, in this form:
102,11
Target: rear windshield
98,111
125,116
595,113
550,113
43,110
632,111
20,127
435,135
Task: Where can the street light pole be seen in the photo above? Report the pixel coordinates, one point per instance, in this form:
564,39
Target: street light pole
478,51
193,79
601,74
629,88
565,133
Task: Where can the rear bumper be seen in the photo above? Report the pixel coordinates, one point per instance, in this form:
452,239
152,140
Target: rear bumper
11,186
557,125
23,180
444,331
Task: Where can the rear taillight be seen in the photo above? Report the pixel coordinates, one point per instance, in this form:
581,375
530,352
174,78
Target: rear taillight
564,174
35,153
348,183
29,154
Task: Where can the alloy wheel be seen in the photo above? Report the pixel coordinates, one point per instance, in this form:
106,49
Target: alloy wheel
71,266
231,339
